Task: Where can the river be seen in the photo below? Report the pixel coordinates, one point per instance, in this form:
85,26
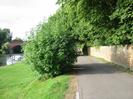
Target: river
9,59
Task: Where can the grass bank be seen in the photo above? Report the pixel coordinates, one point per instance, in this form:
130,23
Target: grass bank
18,81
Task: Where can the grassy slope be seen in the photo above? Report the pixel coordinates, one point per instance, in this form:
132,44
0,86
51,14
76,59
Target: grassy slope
20,82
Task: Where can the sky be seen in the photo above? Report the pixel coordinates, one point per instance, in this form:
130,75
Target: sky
22,15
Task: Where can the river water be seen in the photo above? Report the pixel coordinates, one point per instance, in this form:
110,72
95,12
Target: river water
9,59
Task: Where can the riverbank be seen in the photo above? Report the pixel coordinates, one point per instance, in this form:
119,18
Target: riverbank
19,81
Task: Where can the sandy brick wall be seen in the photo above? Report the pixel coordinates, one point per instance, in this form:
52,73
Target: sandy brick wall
122,55
131,57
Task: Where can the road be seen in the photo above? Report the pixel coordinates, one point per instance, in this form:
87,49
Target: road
101,80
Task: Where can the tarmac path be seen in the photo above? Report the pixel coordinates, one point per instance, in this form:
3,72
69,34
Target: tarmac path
101,80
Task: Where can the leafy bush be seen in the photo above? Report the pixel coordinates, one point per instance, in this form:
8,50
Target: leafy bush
50,50
101,22
123,20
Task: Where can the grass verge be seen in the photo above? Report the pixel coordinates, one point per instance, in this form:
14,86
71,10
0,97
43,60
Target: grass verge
18,81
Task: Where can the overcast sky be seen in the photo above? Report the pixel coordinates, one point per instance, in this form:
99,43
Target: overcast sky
21,15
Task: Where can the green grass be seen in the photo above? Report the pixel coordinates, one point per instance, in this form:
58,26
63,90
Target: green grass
18,81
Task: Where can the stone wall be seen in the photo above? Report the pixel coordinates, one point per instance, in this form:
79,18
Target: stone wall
122,55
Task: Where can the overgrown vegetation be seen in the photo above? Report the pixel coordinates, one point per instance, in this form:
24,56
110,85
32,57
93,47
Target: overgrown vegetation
18,81
100,22
122,17
51,49
88,22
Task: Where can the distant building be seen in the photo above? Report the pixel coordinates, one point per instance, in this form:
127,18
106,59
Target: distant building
15,46
14,53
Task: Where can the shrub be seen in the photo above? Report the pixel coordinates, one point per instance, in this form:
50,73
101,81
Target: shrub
50,51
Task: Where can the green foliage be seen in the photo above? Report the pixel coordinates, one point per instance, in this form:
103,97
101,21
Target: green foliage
88,22
51,48
101,22
123,20
5,36
5,48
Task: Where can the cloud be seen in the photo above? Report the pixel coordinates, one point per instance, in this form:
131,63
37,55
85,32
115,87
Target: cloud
20,17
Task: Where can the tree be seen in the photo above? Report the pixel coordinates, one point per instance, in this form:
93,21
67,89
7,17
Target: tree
5,36
51,50
100,22
88,22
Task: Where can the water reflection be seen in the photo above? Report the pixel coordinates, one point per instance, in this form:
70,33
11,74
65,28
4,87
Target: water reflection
10,59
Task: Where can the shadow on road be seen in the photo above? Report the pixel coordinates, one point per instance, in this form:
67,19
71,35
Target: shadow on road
95,68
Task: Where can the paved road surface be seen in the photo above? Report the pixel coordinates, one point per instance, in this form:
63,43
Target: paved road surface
99,80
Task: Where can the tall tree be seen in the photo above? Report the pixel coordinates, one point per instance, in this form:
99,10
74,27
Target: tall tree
5,36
